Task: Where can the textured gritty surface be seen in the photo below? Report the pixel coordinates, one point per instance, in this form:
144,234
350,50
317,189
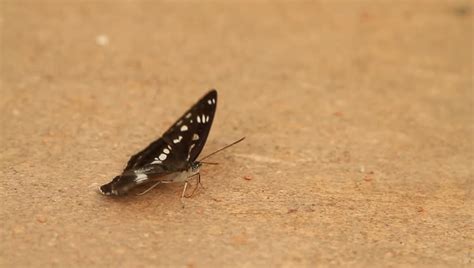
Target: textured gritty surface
358,117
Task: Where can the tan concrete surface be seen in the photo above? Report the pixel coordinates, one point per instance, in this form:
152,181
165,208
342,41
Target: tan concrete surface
358,117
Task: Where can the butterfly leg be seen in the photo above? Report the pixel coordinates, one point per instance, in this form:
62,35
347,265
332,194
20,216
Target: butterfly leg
184,192
150,188
198,182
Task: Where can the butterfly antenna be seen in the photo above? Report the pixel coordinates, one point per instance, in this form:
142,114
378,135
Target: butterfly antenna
223,148
209,163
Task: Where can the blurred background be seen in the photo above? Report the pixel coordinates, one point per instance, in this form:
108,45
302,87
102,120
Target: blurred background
358,117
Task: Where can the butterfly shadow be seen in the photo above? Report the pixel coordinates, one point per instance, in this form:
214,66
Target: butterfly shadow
160,196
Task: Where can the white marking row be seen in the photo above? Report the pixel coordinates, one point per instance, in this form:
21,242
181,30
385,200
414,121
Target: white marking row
157,161
203,118
163,156
141,178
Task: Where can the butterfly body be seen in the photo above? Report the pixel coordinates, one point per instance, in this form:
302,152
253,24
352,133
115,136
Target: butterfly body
172,157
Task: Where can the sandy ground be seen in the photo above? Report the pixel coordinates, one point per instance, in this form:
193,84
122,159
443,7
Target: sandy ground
358,118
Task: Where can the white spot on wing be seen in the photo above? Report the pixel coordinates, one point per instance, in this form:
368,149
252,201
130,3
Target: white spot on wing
209,102
198,119
157,161
203,119
214,101
141,178
189,151
162,157
188,115
169,147
184,128
179,122
166,151
195,137
177,139
207,118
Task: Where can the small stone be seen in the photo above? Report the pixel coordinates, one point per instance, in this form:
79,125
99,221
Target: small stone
102,40
18,230
388,255
41,218
292,210
240,239
309,209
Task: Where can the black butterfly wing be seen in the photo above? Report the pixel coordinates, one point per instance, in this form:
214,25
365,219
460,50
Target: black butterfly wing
181,143
194,126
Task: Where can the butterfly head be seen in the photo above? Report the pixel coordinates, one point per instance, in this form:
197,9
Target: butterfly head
195,166
120,185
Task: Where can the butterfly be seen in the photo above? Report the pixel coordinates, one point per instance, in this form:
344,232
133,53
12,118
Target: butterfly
172,157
